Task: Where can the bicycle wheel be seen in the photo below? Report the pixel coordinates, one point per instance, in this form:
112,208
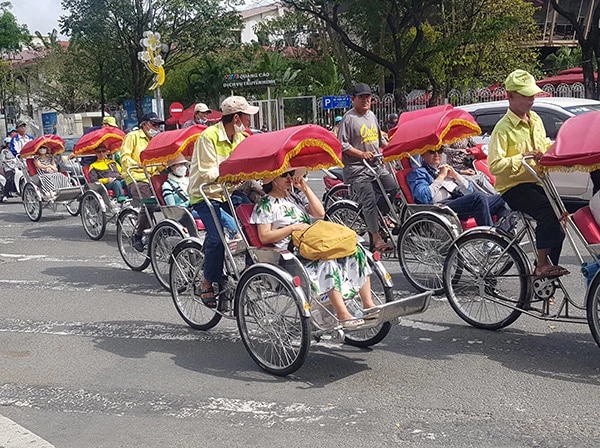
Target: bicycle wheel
92,216
163,239
592,306
349,214
33,206
126,222
334,194
423,243
381,294
270,320
185,279
484,283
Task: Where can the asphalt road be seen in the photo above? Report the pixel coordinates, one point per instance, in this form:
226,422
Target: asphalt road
95,355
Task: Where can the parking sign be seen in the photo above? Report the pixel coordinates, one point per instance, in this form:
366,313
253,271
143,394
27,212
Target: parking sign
337,102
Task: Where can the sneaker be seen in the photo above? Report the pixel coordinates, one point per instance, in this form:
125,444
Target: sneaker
137,243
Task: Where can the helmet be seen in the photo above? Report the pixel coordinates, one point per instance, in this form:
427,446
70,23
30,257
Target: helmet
338,118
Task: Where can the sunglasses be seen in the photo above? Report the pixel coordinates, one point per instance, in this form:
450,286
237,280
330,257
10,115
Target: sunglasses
288,174
439,152
100,151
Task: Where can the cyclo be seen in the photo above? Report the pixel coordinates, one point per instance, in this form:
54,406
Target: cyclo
178,221
488,276
33,198
267,291
424,231
98,204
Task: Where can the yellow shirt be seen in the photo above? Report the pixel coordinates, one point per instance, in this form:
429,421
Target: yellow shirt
510,139
211,148
133,145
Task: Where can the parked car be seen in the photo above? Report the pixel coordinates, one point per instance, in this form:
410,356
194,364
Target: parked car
575,187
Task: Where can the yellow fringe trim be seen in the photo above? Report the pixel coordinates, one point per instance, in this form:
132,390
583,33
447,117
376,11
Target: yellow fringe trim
43,143
101,140
168,157
475,130
335,161
569,169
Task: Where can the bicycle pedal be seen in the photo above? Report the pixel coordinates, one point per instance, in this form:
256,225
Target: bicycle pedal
223,304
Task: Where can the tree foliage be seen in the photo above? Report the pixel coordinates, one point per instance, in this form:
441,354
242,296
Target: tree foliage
12,35
110,32
589,42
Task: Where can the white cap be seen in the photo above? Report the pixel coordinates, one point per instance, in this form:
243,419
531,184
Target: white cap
177,160
237,104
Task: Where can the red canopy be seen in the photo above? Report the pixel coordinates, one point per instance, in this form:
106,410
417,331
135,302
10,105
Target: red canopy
54,143
577,146
427,129
570,76
271,153
188,114
109,137
169,144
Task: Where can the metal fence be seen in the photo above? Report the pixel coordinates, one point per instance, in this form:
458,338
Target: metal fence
386,104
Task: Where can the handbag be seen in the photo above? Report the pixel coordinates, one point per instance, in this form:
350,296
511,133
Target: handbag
325,240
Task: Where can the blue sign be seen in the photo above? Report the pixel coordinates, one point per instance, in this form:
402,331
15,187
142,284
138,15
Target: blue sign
337,102
130,113
49,122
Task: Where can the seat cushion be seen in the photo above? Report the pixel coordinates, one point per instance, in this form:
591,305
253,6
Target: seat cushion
31,169
401,177
584,220
244,212
157,181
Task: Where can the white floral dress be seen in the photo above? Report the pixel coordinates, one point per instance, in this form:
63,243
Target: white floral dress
346,275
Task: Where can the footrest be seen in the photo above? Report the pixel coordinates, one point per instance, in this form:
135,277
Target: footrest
402,307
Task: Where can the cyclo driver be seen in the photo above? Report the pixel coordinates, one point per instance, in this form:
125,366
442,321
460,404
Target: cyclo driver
361,139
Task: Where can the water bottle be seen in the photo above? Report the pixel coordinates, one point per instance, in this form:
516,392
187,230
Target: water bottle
589,270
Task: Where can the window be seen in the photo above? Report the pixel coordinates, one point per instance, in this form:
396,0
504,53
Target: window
488,120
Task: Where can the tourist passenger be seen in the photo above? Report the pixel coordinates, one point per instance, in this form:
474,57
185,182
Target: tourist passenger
282,212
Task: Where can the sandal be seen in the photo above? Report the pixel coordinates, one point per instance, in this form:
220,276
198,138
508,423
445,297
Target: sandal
371,313
350,324
207,295
551,271
385,247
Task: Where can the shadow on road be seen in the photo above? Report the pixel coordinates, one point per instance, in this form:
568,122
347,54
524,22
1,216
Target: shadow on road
221,353
108,278
572,357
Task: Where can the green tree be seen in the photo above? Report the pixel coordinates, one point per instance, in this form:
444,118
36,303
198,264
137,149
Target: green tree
58,79
588,41
12,38
12,35
362,26
564,58
188,28
476,43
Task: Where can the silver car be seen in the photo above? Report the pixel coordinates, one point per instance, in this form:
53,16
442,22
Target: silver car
574,187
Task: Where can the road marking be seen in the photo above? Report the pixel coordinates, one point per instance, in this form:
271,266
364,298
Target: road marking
13,435
157,331
136,402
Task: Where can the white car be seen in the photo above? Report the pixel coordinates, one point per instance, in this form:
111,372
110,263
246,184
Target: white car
554,111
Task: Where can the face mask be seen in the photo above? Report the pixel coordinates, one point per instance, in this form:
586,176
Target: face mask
42,150
179,171
153,132
240,128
